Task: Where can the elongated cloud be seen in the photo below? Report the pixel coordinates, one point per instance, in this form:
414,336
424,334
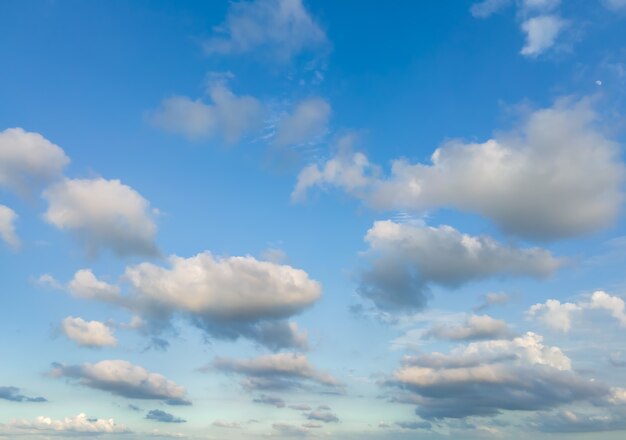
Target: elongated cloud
79,424
124,379
275,372
88,333
102,214
13,394
407,259
477,327
484,378
8,233
555,176
28,161
278,29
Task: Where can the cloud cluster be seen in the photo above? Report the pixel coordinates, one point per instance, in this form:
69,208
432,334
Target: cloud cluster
409,258
102,214
279,371
28,161
484,378
559,316
124,379
12,394
78,424
85,285
228,116
8,217
279,29
88,333
573,422
555,176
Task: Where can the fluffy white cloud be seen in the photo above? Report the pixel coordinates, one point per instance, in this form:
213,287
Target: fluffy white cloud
103,214
279,29
78,424
308,120
476,327
85,285
559,316
225,288
483,378
88,333
28,161
554,176
487,8
124,379
227,116
541,33
409,258
8,217
274,372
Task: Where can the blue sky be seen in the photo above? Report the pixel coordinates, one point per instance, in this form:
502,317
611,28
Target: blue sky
286,218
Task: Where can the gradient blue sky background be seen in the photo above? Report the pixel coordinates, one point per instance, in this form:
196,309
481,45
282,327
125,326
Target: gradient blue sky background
390,219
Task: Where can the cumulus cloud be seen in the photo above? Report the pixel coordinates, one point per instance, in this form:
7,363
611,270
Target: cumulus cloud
227,116
28,161
8,217
555,176
290,430
270,400
476,327
279,29
124,379
102,214
484,378
88,333
559,316
164,417
275,372
409,258
13,394
227,297
78,424
308,121
541,34
85,285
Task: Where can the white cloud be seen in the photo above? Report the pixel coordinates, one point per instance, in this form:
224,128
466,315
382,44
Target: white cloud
308,121
554,176
560,316
225,288
78,424
277,29
227,116
409,258
541,34
102,214
124,379
8,217
85,285
540,5
88,333
28,161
